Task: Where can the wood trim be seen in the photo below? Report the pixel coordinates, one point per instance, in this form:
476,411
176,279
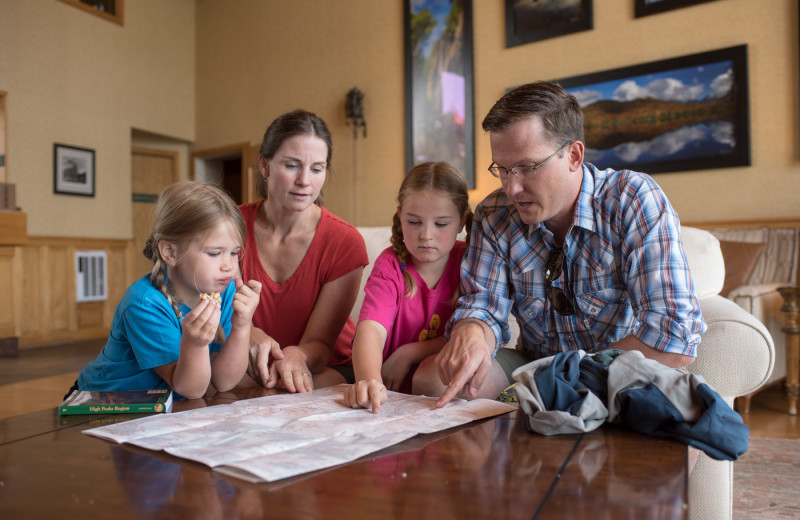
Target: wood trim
779,222
3,137
78,242
13,228
767,222
117,17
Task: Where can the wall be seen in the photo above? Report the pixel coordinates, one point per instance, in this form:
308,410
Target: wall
77,79
260,58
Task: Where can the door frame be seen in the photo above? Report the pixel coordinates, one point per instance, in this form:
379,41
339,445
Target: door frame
247,152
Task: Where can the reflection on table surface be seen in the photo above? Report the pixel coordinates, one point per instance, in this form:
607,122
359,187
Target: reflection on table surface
492,468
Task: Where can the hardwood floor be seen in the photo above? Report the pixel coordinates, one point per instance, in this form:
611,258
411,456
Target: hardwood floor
38,378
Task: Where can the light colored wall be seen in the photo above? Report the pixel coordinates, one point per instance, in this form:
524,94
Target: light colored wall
77,79
260,58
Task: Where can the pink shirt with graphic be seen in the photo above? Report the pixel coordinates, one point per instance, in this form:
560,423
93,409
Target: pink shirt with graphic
407,320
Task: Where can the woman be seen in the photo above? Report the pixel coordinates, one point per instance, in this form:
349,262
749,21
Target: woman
308,260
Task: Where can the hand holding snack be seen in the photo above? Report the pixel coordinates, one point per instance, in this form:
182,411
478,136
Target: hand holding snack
245,302
200,325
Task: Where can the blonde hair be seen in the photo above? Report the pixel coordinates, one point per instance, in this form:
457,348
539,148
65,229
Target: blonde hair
442,178
184,211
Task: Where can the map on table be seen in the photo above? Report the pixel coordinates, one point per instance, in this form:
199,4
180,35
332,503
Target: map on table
271,438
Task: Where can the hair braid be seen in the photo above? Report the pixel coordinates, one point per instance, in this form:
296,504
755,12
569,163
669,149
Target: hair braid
158,279
400,250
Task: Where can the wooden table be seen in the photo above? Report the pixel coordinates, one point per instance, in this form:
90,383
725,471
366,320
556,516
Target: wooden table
492,468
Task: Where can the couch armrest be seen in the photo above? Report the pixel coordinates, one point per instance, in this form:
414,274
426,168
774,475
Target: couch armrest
736,354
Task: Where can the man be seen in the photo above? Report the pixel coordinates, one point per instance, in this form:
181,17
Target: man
583,258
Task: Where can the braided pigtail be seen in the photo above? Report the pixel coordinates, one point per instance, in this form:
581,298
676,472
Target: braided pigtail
158,275
399,248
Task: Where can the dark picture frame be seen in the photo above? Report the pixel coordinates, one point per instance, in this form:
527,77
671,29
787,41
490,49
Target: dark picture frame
648,7
73,170
685,113
439,99
528,21
112,10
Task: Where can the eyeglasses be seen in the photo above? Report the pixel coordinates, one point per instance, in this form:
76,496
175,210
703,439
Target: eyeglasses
523,172
552,272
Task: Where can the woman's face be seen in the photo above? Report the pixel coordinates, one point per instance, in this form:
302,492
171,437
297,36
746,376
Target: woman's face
296,173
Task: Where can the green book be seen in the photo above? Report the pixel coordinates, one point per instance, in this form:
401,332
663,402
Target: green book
121,401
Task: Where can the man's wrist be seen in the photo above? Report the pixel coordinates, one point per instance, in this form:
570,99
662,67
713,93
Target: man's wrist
474,326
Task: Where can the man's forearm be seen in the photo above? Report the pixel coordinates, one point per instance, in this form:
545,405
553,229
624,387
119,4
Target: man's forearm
665,358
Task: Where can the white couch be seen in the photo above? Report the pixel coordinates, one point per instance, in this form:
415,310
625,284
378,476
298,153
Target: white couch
736,356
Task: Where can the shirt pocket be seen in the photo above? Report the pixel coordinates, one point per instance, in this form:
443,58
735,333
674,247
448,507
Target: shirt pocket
531,312
607,313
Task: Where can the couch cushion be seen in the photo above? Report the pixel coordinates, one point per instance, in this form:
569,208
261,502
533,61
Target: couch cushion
740,262
779,261
705,261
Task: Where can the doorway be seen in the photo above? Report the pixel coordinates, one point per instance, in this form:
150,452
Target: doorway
234,168
151,172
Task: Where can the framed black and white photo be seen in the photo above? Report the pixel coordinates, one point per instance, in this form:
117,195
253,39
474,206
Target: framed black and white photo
678,114
73,170
529,21
438,84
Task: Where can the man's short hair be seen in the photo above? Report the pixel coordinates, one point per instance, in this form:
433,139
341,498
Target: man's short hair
559,111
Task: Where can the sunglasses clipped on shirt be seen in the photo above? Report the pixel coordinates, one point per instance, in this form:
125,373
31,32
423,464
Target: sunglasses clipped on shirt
552,272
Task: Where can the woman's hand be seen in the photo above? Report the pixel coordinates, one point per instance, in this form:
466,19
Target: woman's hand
293,370
199,326
367,393
245,302
262,347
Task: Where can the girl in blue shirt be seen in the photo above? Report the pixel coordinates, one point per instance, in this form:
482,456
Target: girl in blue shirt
166,332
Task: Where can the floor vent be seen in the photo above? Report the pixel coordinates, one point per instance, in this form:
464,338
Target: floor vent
91,278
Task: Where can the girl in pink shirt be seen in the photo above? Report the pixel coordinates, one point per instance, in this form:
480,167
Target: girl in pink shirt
413,286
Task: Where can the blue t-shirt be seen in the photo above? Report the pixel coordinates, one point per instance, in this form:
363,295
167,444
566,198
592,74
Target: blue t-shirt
145,333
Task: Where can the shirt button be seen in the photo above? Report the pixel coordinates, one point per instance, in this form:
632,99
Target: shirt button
569,336
594,309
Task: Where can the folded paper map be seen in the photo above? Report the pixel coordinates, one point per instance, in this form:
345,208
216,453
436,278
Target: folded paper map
271,438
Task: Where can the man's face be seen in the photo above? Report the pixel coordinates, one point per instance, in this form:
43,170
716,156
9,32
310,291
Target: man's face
547,193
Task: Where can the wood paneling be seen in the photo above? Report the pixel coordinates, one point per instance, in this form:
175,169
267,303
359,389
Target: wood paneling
47,311
7,303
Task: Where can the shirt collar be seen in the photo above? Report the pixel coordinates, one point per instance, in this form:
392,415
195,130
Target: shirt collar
584,210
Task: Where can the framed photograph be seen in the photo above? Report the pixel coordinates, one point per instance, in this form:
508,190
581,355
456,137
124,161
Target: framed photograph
685,113
647,7
73,170
531,20
438,84
112,10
